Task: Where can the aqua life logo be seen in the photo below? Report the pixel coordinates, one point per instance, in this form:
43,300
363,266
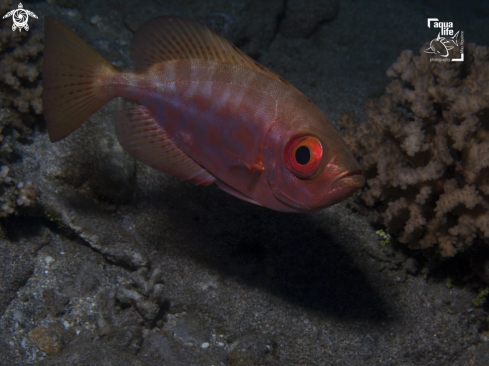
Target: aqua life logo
20,18
446,44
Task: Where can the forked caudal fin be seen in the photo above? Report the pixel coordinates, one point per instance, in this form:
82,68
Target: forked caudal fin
72,70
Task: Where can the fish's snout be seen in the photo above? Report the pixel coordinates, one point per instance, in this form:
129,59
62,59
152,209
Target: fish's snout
346,185
344,178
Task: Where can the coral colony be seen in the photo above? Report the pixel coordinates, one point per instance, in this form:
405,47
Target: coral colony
20,95
20,66
424,150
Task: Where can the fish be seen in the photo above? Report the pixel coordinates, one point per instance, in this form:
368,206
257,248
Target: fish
198,108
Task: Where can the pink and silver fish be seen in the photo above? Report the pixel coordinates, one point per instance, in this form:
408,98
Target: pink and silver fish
200,109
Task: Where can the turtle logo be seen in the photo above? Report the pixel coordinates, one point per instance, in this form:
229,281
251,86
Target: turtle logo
20,17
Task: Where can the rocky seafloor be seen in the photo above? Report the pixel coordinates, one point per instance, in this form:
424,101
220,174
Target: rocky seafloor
118,264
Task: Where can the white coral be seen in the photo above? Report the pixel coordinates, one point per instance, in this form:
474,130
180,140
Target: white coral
4,178
27,194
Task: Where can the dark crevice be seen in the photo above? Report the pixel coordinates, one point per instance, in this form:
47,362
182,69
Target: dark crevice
164,309
122,305
280,17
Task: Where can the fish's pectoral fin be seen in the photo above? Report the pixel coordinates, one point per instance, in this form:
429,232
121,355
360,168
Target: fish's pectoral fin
257,165
147,141
235,193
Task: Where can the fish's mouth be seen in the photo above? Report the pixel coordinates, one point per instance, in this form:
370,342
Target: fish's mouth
348,176
343,186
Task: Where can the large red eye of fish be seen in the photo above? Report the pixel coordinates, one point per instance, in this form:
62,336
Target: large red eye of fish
303,155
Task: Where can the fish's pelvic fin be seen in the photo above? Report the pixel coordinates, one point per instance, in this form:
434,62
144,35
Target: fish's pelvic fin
73,79
235,193
144,139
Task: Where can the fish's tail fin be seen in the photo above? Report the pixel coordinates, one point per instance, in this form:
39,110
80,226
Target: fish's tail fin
74,80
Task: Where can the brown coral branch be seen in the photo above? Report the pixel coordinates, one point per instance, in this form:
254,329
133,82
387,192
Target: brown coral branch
424,149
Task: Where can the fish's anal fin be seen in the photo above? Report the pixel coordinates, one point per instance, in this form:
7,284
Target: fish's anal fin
169,38
235,193
143,138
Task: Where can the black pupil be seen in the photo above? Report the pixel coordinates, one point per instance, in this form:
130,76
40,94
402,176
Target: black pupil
302,155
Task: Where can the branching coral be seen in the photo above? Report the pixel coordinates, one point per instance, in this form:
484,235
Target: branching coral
15,195
27,194
424,149
20,98
20,66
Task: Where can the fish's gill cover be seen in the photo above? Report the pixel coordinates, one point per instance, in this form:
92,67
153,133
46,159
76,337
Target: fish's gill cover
168,38
424,149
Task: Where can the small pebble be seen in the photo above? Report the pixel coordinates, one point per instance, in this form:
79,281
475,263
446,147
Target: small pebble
95,19
18,315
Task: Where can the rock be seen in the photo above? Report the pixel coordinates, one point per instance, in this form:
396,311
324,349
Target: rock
303,16
54,303
15,268
250,24
190,328
85,351
160,348
92,157
66,3
127,339
8,356
224,24
411,266
115,181
50,339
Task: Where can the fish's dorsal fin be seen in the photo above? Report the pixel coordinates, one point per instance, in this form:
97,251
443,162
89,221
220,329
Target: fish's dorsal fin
168,38
143,138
